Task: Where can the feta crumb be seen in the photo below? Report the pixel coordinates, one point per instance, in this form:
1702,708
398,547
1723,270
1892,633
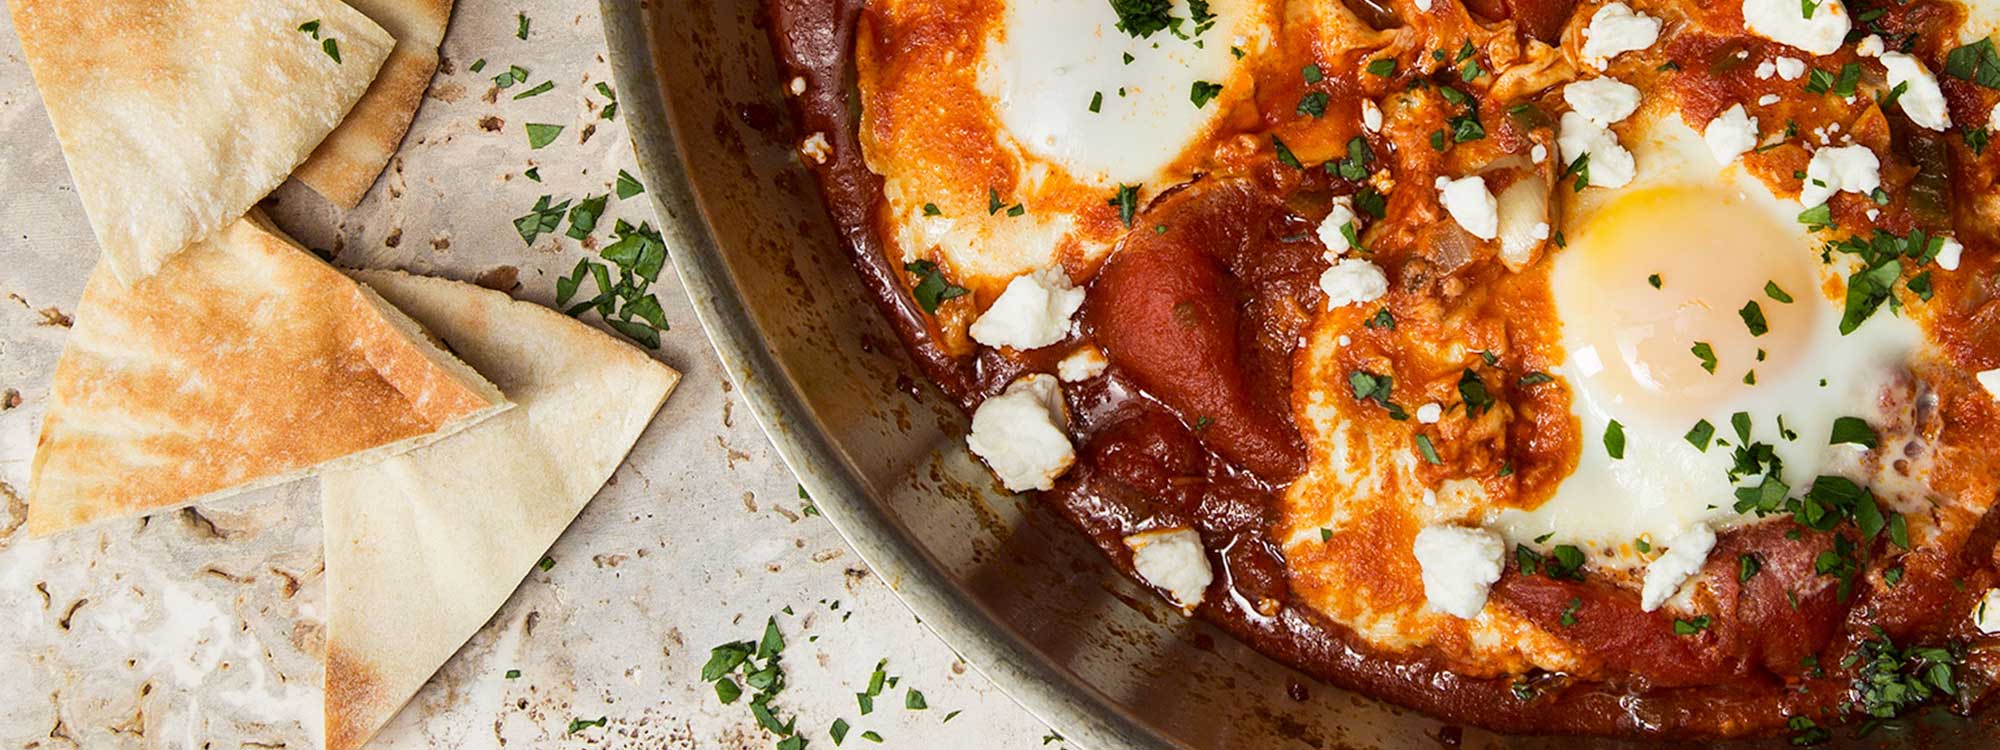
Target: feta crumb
1083,364
1458,566
1986,614
1990,380
1019,433
1731,134
1034,311
1371,116
1923,101
1785,21
1995,124
1611,166
1330,233
816,148
1791,68
1471,205
1686,553
1616,29
1766,69
1871,46
1351,282
1603,101
1949,253
1430,413
798,85
1853,169
1424,5
1540,153
1768,100
1173,561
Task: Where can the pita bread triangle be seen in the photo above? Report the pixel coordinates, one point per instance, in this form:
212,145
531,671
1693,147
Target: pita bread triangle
245,363
346,164
423,548
177,116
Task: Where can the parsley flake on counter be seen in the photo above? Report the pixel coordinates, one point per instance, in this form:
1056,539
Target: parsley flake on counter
913,700
628,185
579,724
478,65
540,220
522,31
331,47
539,89
583,218
1096,101
610,110
513,674
515,74
533,173
310,28
540,134
838,731
1654,280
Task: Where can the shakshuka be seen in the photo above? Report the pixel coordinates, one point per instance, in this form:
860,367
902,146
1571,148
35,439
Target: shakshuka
1625,368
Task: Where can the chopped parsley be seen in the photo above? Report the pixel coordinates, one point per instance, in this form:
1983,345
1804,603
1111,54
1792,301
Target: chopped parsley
539,89
1747,566
514,74
1371,387
1654,280
1429,451
756,665
1355,167
1614,440
1285,155
1706,353
1691,627
540,134
583,217
1143,18
580,724
522,31
610,110
1313,104
628,186
1569,611
931,289
1096,101
1201,92
1473,391
1772,290
1753,318
1382,67
1311,73
1127,201
1977,62
1852,430
544,218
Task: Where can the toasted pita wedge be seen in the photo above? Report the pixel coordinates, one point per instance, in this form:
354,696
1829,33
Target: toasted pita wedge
176,116
349,160
245,363
423,548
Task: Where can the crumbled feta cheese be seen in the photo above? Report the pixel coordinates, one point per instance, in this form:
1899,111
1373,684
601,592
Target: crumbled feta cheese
1686,552
1331,232
1083,364
1616,29
1986,614
1603,100
1871,46
1610,165
1371,116
1173,561
1020,434
1034,311
1791,68
1424,5
1853,169
1471,205
816,148
1731,134
798,85
1430,413
1768,100
1949,253
1785,21
1352,281
1995,124
1923,101
1766,69
1458,566
1990,380
1540,153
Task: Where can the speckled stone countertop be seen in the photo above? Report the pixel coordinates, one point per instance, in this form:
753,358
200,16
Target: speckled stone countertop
202,628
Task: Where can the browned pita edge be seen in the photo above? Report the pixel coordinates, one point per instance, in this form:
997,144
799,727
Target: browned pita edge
555,368
177,116
244,363
347,163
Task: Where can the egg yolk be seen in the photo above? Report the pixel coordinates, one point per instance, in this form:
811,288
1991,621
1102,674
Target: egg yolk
1655,296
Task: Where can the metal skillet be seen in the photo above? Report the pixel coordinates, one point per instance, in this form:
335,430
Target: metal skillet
1016,592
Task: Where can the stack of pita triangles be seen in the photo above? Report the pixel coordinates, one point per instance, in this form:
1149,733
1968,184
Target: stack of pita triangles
212,355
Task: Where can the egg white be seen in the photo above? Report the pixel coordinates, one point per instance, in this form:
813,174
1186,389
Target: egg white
1664,484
